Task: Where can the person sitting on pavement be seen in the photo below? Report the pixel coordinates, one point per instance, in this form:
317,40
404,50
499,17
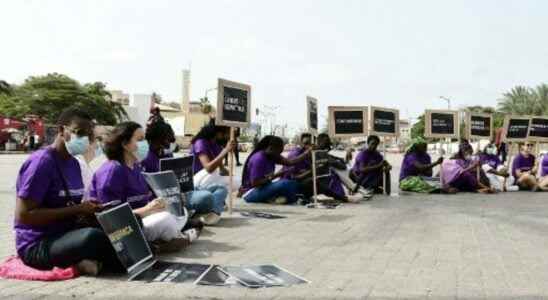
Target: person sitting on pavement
370,167
330,186
460,173
524,169
417,169
120,178
499,178
543,180
49,200
208,156
258,173
208,203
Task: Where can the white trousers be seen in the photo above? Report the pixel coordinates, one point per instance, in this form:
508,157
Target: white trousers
162,226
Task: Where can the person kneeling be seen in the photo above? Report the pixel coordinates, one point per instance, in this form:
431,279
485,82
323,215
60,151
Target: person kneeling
416,170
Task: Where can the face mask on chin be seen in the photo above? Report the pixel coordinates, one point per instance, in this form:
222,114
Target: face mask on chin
77,145
170,149
491,151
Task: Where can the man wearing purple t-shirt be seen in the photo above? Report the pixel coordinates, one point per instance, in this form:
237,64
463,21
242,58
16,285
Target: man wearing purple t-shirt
49,194
543,180
370,166
524,168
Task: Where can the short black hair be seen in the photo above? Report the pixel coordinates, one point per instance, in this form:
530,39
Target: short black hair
306,135
70,114
159,130
373,137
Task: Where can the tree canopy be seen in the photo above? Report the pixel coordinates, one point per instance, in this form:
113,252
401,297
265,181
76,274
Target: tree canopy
47,96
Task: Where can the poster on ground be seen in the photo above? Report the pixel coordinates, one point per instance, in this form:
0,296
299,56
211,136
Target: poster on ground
538,130
264,276
516,128
233,104
163,271
479,126
348,121
312,114
182,167
441,124
125,234
384,121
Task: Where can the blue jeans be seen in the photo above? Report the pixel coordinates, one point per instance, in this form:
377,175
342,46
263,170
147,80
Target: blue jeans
211,199
281,188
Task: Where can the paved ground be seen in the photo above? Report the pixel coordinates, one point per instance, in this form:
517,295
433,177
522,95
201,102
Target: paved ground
411,247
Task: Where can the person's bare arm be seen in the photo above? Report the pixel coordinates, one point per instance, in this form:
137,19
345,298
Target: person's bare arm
293,161
212,165
29,212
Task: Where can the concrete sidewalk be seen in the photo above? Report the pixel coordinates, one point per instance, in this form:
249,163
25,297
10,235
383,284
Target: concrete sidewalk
465,246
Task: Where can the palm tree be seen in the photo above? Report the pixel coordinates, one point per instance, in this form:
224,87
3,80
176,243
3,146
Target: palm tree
541,97
520,100
5,88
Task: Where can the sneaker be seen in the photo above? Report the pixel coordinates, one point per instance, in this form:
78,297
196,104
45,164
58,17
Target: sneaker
210,219
88,267
354,198
191,234
279,201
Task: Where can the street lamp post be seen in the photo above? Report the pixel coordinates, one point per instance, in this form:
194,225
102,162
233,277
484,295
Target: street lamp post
448,101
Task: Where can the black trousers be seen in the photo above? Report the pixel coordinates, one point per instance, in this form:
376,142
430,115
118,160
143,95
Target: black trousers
375,183
306,188
70,248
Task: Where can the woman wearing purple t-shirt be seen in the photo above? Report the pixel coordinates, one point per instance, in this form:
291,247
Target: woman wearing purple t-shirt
208,155
524,168
208,203
370,166
460,172
543,180
416,169
258,174
49,194
121,178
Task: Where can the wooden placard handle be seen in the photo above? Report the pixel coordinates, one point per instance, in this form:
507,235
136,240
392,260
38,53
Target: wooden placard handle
231,174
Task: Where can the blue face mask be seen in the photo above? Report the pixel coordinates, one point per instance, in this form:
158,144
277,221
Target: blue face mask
98,151
77,145
142,150
171,149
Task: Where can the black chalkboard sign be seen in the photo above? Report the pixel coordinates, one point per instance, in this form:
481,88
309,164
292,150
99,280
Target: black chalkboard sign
321,160
123,231
348,122
539,128
384,122
312,114
442,123
165,185
480,126
182,167
517,129
234,105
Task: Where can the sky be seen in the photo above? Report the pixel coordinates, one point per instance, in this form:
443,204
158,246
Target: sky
397,54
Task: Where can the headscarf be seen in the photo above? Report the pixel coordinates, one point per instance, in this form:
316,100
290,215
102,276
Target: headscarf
414,143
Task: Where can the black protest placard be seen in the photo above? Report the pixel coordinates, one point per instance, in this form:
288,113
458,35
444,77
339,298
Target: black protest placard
182,167
215,276
384,121
163,271
233,104
480,126
539,129
517,128
312,114
165,185
263,276
348,121
321,163
441,124
124,232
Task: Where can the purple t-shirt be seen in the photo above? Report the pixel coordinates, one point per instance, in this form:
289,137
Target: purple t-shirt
116,181
258,166
40,181
522,163
151,163
203,146
367,158
544,166
492,160
408,165
292,171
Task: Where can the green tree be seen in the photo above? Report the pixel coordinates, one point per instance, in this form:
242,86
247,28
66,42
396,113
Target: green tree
5,88
46,96
418,128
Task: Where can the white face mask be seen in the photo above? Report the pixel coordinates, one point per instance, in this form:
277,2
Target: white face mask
491,151
468,157
171,149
